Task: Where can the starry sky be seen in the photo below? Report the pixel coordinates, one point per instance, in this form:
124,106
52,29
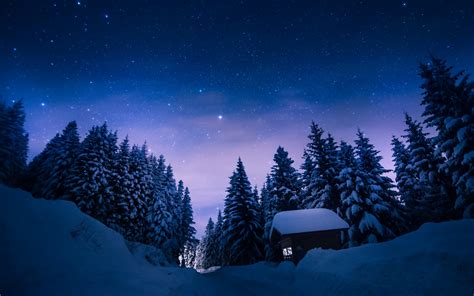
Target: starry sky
204,82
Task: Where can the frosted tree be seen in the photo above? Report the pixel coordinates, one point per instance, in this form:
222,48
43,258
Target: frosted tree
38,170
242,234
368,202
268,204
449,103
218,258
307,168
89,184
47,173
140,170
285,182
314,151
323,186
124,212
428,199
188,231
159,215
208,256
14,147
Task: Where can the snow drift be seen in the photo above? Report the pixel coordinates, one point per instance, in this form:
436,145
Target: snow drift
51,248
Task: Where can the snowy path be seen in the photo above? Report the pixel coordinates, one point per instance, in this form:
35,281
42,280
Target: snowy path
51,248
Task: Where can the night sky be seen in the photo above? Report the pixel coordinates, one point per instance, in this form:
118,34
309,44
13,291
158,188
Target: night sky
205,82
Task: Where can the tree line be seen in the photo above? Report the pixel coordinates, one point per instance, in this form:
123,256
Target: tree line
434,179
123,186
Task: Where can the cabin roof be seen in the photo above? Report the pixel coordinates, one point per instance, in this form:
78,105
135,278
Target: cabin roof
307,220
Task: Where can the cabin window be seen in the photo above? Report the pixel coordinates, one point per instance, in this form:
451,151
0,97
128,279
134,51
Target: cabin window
287,253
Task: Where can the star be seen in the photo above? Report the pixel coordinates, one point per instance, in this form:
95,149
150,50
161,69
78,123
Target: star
220,116
43,104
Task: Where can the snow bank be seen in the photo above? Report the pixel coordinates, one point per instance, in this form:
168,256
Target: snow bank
437,259
51,248
308,220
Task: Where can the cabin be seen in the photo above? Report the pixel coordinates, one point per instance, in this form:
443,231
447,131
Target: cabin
296,232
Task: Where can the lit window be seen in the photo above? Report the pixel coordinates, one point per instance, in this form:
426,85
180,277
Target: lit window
287,253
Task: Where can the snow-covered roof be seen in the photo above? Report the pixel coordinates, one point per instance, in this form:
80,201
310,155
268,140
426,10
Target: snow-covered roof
308,220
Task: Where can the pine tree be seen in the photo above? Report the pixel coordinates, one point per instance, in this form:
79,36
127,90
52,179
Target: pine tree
268,204
124,211
449,103
368,202
323,186
89,184
140,170
208,246
62,160
218,258
242,229
14,139
188,231
39,169
307,171
428,199
407,180
161,215
285,182
314,151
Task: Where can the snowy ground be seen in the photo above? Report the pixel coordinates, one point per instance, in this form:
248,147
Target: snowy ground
50,248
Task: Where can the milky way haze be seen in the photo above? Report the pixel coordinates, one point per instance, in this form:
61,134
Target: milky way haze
208,81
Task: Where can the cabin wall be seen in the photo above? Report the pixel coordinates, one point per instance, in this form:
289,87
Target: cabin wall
303,242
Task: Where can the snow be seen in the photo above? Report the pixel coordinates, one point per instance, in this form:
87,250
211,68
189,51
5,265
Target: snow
308,220
49,247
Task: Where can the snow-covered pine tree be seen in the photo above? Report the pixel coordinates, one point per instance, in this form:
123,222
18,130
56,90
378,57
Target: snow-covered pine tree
39,169
181,232
14,147
161,214
449,103
323,185
187,231
208,246
89,184
218,258
242,235
307,168
62,160
140,170
124,193
368,202
428,198
268,204
403,178
313,151
174,205
286,185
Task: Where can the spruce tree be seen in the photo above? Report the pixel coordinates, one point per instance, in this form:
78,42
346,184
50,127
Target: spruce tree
208,246
242,233
62,160
323,186
428,199
314,151
368,202
218,258
188,231
449,103
268,204
285,182
14,139
89,184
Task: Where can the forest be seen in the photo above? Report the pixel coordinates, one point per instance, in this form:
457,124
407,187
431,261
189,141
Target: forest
136,193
